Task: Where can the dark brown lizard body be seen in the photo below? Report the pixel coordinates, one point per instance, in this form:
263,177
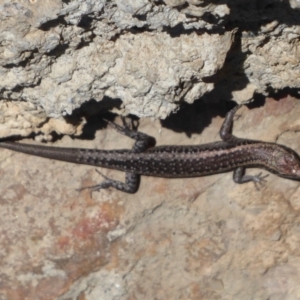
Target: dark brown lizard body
231,154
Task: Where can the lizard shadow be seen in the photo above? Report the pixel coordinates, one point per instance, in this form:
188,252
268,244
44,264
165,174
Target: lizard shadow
189,119
194,118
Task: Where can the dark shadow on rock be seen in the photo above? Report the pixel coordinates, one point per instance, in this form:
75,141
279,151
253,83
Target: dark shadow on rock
95,113
194,118
231,77
277,95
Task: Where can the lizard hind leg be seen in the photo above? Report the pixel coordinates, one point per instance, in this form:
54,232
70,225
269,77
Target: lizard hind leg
130,186
142,141
240,177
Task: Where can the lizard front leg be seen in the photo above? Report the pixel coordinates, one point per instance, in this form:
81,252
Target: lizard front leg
239,175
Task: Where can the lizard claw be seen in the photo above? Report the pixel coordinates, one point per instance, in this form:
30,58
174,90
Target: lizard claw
104,176
259,181
114,125
131,126
97,187
126,126
236,117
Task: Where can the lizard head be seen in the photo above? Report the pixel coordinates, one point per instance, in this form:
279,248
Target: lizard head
287,163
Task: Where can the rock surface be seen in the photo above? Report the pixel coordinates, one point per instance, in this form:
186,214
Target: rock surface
201,238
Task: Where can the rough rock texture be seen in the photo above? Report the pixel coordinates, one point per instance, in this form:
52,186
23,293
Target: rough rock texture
85,50
202,238
151,55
